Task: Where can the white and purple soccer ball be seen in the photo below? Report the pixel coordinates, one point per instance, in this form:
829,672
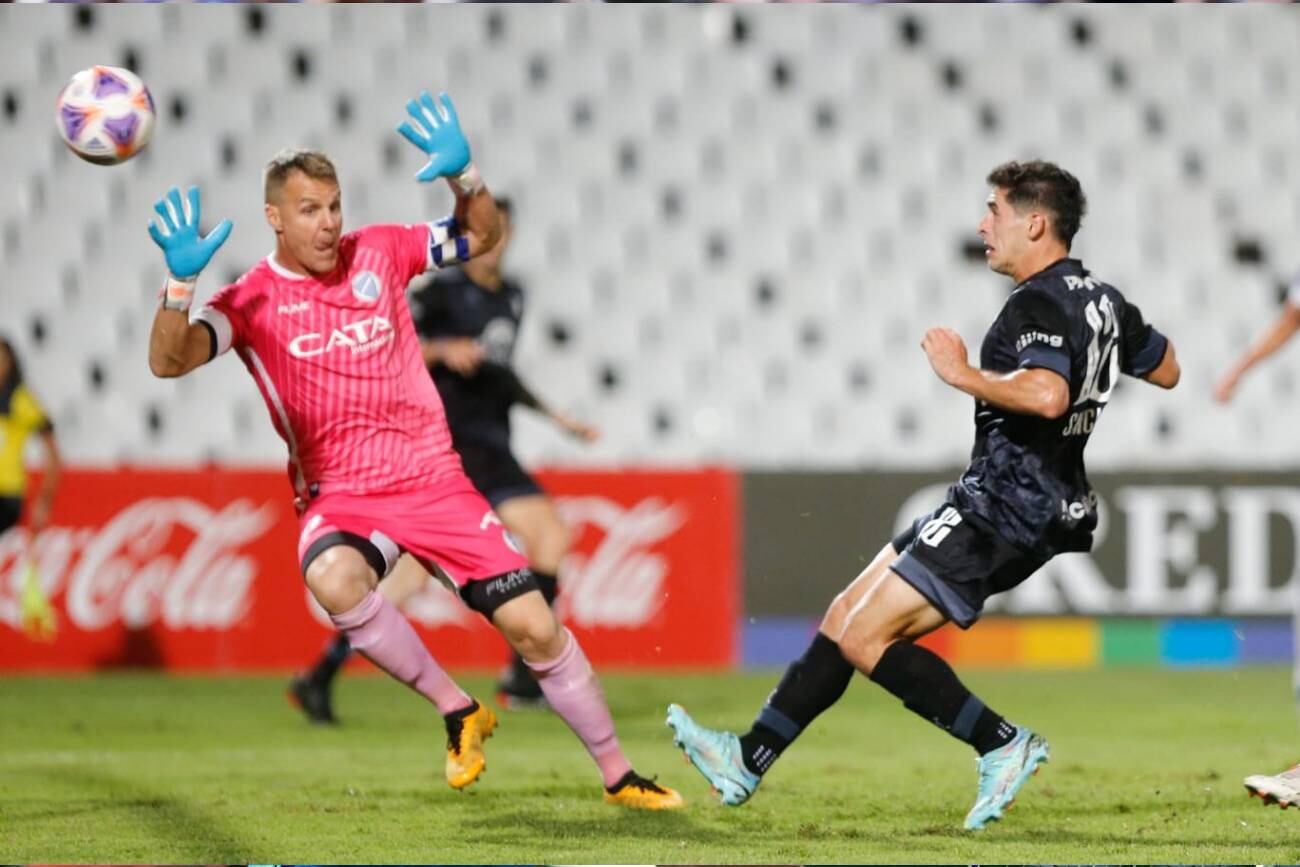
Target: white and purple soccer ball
105,115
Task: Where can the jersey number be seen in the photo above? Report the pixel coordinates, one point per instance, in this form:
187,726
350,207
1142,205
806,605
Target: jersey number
937,529
1103,360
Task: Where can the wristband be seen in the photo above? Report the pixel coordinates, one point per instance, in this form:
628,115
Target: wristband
177,294
468,182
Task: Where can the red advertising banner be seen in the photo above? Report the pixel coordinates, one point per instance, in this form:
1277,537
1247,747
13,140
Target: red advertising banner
195,570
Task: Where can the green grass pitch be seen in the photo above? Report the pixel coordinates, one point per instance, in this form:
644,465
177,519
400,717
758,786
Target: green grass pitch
141,768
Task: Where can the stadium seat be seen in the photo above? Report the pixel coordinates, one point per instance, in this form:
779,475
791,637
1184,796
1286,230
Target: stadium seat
734,238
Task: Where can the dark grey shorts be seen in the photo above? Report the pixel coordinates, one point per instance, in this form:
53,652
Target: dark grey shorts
957,561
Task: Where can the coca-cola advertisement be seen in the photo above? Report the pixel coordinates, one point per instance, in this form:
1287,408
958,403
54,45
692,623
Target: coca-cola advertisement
196,570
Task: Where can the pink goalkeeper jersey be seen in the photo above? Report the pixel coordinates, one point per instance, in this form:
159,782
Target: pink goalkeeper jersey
338,363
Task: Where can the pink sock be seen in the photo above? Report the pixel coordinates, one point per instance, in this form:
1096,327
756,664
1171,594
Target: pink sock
574,693
382,635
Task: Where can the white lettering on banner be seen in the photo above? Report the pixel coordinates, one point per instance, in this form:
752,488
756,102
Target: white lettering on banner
123,573
1163,523
621,584
1248,511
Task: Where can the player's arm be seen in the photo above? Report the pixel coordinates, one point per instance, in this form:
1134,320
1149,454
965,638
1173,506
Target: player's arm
1145,353
474,227
51,471
1279,333
525,396
461,354
431,317
1167,372
1027,391
177,345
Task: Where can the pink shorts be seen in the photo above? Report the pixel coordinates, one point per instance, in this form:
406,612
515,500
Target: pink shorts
447,524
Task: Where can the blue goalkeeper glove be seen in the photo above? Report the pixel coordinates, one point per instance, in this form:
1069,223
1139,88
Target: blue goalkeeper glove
186,251
436,131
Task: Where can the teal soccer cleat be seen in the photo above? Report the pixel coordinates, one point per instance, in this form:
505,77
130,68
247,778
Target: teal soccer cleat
1002,772
716,755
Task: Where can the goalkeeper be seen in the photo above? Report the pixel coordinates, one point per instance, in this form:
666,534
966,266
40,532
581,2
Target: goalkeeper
323,327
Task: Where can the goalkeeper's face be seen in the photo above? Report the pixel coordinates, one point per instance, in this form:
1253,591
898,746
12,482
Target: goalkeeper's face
307,217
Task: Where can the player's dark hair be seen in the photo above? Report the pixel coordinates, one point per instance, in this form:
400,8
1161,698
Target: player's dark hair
313,164
504,205
15,377
1040,184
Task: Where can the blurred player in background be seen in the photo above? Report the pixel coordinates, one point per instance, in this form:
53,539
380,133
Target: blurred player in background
1047,367
1284,327
22,415
323,327
1283,788
468,320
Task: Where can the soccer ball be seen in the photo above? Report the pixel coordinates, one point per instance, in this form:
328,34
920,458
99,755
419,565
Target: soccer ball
105,115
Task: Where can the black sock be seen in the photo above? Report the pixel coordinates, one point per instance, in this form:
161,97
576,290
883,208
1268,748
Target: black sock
549,586
458,715
335,655
810,685
929,688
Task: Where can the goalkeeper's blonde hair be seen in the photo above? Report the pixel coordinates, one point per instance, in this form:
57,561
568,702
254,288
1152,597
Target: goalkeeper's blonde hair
313,164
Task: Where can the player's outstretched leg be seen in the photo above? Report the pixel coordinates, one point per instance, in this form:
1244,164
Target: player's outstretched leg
1008,755
1282,789
734,764
877,620
342,582
311,690
716,755
573,691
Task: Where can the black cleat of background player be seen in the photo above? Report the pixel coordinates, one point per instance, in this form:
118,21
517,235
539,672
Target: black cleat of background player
519,690
313,699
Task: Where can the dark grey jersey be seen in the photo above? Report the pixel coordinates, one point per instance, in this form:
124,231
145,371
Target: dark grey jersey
452,305
1026,476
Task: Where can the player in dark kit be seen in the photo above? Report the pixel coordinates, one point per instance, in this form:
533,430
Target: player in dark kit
1047,368
467,319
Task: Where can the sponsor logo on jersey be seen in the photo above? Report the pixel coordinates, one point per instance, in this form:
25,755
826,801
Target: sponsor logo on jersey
288,309
1079,509
358,338
498,339
1072,282
1053,340
366,287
